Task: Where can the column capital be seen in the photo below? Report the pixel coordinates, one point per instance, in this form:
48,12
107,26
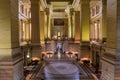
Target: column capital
47,10
72,11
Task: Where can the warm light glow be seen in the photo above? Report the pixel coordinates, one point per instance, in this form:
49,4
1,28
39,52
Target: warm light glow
96,31
73,17
69,28
55,37
59,55
85,33
30,32
49,27
58,33
35,58
23,31
45,27
27,32
28,56
100,31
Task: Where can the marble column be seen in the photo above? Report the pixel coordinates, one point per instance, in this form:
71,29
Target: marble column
84,27
35,26
42,21
72,22
111,56
48,24
104,18
11,59
85,19
42,29
69,26
77,25
66,28
45,26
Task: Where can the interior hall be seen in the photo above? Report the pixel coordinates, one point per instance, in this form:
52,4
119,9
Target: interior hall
59,39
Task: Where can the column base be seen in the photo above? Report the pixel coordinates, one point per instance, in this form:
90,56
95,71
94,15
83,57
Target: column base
110,65
36,50
110,71
85,49
11,64
10,70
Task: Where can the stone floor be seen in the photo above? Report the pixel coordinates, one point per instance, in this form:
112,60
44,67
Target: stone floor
62,68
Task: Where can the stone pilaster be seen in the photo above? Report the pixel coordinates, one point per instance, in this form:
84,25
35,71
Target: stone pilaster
77,26
69,26
85,19
35,22
11,59
47,11
111,56
45,26
42,29
72,22
84,27
104,18
66,28
42,24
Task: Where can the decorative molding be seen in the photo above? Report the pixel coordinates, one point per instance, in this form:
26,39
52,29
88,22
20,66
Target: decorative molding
43,5
110,56
59,15
76,5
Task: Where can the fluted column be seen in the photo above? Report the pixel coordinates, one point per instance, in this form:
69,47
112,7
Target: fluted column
111,56
11,59
35,23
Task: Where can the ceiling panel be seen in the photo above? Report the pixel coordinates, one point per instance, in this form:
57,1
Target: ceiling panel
61,4
49,1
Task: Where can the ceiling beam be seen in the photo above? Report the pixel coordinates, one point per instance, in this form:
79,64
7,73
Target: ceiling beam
70,1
